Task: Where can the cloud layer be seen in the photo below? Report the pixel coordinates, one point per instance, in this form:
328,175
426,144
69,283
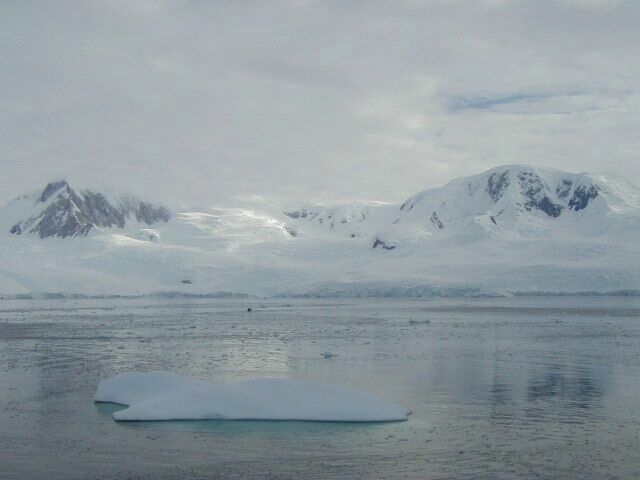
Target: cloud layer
198,101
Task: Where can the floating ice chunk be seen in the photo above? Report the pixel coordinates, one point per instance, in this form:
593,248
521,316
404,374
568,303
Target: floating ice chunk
166,396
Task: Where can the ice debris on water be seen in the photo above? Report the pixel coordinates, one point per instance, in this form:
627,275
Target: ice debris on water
167,396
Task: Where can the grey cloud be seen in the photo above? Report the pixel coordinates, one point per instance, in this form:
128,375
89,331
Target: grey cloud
204,101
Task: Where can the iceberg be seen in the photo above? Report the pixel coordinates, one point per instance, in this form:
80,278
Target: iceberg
167,396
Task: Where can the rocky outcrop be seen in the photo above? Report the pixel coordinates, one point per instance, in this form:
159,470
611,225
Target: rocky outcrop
582,196
61,211
381,244
435,221
535,195
333,218
497,183
564,188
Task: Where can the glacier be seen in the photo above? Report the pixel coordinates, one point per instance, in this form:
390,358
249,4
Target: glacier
167,396
512,230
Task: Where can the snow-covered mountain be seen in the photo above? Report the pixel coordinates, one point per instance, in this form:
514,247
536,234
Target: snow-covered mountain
512,200
512,229
61,211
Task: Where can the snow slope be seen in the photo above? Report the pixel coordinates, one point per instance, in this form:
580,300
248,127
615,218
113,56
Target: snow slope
512,229
166,396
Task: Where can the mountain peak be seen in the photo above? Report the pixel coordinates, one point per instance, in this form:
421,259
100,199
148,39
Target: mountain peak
512,199
513,228
61,211
51,188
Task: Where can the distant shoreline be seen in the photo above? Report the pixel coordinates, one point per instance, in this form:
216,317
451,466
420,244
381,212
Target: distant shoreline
345,295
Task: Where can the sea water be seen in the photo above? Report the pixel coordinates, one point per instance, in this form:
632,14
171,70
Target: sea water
498,388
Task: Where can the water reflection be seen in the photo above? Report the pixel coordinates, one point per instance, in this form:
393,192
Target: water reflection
496,392
576,388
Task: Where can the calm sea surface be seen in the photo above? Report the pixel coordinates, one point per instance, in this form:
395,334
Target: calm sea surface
500,388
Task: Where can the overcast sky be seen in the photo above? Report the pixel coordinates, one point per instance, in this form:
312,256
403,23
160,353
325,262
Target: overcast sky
203,101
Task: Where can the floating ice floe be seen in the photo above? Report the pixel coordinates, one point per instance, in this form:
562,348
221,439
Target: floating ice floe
167,396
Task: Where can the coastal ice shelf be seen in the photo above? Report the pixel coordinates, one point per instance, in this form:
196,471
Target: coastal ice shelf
167,396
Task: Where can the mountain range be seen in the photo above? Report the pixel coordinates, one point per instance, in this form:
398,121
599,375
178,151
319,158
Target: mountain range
513,229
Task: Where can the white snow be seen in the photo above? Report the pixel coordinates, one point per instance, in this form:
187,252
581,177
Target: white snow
167,396
485,246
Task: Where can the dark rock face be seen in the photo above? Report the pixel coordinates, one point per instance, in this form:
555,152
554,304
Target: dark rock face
52,188
497,184
331,217
99,210
380,244
435,221
147,213
290,231
63,219
296,214
73,214
582,196
535,195
545,205
563,189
